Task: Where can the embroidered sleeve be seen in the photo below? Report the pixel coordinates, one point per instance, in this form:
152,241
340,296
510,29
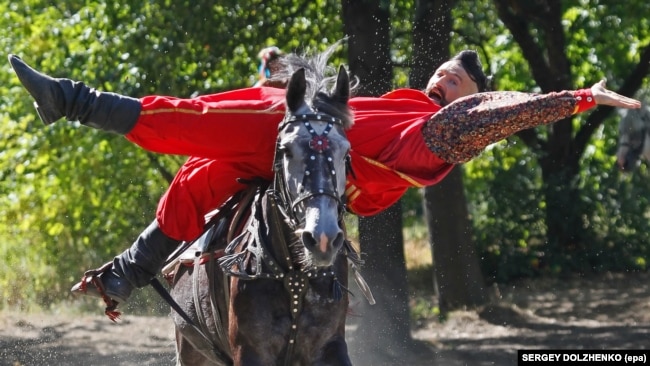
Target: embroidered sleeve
462,130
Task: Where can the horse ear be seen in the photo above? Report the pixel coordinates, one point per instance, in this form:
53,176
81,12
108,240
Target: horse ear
296,90
342,88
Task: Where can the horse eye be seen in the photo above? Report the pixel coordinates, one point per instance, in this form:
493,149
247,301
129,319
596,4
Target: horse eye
347,158
286,152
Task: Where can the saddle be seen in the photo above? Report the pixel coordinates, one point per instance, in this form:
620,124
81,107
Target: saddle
224,224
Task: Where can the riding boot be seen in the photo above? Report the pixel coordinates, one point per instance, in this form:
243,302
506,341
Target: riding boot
134,268
56,98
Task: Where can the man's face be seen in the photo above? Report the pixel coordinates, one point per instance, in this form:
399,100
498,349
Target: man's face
450,82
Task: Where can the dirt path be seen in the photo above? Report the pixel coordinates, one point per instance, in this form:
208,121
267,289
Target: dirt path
47,339
604,312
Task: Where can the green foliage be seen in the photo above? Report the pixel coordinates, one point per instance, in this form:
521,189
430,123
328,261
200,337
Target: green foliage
615,211
505,187
72,197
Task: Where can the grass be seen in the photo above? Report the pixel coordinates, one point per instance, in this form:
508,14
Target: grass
419,263
417,252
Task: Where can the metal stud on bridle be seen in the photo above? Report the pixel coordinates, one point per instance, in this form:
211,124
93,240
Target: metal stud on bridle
319,144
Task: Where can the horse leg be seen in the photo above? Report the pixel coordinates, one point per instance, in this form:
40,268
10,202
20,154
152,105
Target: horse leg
258,321
192,348
187,355
335,353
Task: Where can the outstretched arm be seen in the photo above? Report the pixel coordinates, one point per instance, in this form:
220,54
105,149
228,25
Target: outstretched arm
603,96
462,130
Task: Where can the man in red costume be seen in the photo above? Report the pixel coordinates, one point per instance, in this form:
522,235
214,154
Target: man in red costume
406,138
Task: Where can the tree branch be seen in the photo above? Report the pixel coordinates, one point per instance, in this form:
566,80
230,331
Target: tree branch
166,174
518,27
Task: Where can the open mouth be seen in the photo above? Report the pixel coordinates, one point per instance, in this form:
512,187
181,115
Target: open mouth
436,95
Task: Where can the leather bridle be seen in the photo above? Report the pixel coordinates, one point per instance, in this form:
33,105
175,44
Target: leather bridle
320,157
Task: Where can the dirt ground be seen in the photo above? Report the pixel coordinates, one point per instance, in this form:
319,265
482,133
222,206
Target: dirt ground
603,312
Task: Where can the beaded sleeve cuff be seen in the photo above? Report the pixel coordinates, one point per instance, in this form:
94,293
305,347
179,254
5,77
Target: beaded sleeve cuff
585,100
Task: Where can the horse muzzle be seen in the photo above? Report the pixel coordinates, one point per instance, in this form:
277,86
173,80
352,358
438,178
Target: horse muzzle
322,248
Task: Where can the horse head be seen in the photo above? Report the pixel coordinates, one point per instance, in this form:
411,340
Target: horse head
310,168
634,138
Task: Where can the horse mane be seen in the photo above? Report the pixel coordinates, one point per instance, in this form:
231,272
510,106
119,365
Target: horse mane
320,78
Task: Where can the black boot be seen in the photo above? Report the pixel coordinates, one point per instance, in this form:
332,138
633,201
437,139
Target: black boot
134,268
56,98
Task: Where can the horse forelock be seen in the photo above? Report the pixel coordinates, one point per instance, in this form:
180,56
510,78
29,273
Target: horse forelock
320,78
327,104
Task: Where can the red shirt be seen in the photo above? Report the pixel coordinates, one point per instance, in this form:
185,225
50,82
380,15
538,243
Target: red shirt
399,140
389,154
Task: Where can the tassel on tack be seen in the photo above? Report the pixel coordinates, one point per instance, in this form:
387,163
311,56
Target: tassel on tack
337,294
111,311
92,277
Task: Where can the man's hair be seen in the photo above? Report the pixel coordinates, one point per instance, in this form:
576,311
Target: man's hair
472,64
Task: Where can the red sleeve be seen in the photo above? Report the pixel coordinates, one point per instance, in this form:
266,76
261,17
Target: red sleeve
585,100
235,125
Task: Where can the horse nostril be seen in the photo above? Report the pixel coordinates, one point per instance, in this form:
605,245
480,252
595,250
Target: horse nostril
338,241
308,240
324,245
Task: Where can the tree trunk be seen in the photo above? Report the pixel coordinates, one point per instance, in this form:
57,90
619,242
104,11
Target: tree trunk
457,268
367,23
383,330
457,272
431,39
